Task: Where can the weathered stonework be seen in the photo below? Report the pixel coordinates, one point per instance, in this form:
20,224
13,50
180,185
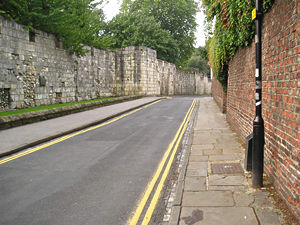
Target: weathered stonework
37,71
4,98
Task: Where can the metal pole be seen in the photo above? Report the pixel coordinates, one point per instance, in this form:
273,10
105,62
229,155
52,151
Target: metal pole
258,123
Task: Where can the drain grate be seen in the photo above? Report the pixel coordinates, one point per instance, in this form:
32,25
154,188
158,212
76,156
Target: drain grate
226,168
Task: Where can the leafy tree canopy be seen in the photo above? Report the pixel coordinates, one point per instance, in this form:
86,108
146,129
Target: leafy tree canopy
134,29
74,22
175,19
199,61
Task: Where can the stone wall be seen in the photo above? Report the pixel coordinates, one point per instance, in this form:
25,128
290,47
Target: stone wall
35,70
281,101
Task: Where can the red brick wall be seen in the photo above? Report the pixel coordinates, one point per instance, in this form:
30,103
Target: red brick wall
281,101
218,94
241,91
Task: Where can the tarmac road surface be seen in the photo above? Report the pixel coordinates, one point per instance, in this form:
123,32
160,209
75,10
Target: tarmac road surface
94,178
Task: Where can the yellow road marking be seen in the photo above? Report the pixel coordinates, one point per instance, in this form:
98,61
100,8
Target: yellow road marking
142,202
160,186
71,135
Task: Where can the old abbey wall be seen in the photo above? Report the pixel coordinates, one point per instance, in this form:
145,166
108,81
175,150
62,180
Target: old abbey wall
35,70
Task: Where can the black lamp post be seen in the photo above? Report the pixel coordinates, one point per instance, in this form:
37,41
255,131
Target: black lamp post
258,123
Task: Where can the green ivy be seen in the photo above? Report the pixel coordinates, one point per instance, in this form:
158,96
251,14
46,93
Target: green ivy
233,28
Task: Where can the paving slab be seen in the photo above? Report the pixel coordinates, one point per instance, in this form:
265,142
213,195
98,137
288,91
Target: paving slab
197,166
267,216
261,200
196,151
208,198
211,121
195,184
228,145
223,157
226,180
196,173
233,151
229,138
204,132
228,188
217,216
202,139
243,198
202,146
198,158
212,152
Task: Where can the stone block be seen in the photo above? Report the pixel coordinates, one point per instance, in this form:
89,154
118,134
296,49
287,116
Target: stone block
226,180
197,166
212,152
196,173
228,188
231,150
208,198
201,139
261,200
195,184
198,158
217,215
243,198
224,157
268,216
202,147
228,145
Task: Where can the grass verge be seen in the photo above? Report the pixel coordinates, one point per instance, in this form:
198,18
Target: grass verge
45,107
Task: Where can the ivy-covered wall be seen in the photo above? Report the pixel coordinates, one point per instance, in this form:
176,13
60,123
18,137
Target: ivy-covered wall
233,28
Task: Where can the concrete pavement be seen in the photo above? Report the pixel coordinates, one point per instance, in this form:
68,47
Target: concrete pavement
214,189
19,138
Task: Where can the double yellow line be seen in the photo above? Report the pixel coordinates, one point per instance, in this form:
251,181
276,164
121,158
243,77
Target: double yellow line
71,135
143,201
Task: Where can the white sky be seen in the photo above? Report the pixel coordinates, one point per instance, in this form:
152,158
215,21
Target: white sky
111,8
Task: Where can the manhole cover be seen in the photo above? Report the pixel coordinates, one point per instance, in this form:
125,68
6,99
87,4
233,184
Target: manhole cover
227,168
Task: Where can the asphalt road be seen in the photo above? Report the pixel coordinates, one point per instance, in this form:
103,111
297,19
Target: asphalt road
95,178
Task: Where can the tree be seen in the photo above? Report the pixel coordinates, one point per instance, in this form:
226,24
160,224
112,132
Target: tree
135,29
199,61
74,22
177,17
